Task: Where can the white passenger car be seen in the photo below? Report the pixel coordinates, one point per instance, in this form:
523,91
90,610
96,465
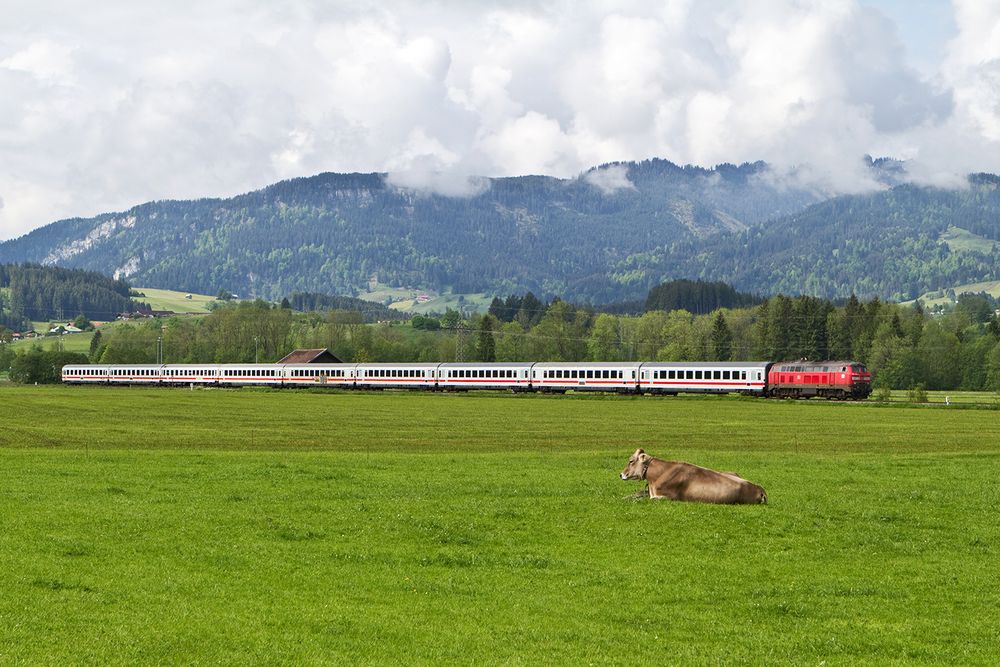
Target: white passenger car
586,376
747,377
512,375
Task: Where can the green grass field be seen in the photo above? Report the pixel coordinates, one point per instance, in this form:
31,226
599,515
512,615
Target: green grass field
216,526
939,298
163,299
405,300
959,240
78,342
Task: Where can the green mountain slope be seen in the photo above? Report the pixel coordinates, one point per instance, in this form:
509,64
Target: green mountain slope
607,236
895,244
331,233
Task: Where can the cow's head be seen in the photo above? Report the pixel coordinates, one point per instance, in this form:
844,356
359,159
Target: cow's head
636,466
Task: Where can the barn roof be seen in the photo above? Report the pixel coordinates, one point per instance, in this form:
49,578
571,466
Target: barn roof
318,356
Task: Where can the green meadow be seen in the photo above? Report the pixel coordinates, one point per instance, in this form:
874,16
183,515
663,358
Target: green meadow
144,525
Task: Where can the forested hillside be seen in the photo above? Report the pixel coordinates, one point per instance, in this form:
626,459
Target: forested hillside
607,236
369,310
887,244
331,233
30,292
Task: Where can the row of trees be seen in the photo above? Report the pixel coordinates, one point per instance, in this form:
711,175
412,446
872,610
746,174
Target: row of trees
30,292
904,346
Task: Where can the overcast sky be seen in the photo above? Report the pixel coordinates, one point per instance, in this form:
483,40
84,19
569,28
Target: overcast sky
104,105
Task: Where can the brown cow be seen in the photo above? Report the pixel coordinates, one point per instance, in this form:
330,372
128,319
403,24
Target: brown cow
676,480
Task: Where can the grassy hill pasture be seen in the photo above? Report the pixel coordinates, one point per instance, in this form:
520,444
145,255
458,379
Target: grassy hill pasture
164,299
77,342
961,240
234,526
940,298
405,300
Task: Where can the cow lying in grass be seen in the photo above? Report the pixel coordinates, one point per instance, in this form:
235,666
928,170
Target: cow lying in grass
676,480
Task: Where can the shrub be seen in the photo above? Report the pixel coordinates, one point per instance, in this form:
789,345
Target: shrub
917,394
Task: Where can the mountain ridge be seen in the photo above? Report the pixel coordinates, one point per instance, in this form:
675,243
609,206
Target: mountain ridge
609,234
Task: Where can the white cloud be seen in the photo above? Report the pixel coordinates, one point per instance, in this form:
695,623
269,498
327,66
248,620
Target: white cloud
610,179
112,104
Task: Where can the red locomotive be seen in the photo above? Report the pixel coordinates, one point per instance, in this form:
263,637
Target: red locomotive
825,379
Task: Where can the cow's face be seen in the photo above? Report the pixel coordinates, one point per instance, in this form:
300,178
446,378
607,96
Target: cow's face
636,465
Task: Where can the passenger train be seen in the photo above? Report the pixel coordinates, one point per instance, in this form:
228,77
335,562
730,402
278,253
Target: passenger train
791,379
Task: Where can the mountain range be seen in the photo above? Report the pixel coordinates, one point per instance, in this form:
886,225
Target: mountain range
609,234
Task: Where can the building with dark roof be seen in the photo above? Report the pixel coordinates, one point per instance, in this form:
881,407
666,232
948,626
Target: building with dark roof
320,356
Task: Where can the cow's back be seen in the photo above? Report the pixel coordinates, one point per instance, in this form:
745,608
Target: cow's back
678,480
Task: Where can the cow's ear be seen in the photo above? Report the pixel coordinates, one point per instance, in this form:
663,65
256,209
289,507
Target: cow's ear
641,451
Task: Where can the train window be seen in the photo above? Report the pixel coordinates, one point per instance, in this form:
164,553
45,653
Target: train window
743,375
697,375
689,375
716,375
725,375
